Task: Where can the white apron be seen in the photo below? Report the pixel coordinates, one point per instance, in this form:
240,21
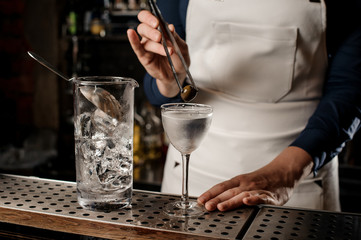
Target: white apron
261,65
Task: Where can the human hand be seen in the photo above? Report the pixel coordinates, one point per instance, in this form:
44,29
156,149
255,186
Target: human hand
152,56
272,184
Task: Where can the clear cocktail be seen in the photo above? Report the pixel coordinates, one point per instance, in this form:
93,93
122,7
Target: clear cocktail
185,125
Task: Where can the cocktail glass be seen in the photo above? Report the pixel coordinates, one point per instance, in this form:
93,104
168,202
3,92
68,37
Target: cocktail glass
185,125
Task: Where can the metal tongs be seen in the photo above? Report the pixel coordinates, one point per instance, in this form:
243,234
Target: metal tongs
189,92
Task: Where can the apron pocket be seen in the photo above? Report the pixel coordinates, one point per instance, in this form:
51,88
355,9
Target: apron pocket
258,65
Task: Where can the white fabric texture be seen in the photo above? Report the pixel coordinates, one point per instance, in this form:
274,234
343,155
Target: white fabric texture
261,65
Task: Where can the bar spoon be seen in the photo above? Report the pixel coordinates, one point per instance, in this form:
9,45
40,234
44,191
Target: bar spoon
98,96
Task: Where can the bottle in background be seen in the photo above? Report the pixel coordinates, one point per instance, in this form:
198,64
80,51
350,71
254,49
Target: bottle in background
138,148
152,137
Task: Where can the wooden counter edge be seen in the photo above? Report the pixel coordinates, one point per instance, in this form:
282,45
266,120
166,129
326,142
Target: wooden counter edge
87,227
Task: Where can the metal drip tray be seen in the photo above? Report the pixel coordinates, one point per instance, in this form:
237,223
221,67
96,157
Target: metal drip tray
59,199
279,223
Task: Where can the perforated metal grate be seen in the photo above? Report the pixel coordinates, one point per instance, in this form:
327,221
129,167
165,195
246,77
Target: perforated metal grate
60,198
278,223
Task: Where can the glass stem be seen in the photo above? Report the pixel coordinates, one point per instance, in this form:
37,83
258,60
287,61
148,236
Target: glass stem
185,166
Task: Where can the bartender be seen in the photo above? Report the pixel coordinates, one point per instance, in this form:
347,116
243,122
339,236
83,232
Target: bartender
280,118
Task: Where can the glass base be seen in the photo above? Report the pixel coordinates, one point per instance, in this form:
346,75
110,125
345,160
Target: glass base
103,201
180,209
103,206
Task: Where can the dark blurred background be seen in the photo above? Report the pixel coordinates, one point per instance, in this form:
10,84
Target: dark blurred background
80,38
86,38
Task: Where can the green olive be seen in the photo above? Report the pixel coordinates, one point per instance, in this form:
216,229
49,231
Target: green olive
188,93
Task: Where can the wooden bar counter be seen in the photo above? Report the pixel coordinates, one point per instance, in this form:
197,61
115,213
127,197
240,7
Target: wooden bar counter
51,206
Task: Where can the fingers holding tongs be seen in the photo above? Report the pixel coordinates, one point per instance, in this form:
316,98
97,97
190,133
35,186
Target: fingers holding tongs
189,92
